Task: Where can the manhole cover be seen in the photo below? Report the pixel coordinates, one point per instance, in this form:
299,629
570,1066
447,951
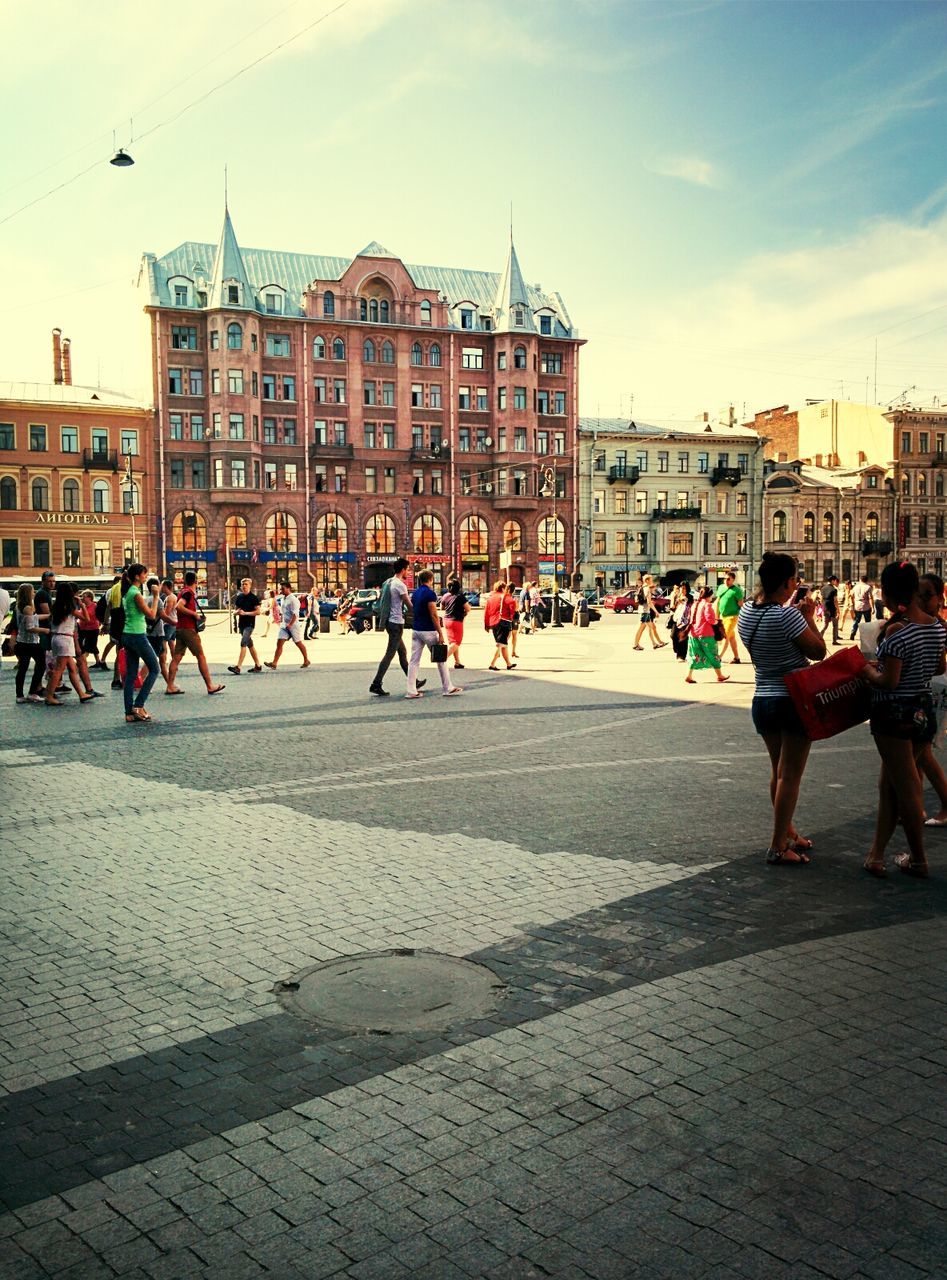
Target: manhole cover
386,991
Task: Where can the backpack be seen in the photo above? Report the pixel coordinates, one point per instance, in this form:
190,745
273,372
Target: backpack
101,606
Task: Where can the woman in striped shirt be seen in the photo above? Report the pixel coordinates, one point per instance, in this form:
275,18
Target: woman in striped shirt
911,651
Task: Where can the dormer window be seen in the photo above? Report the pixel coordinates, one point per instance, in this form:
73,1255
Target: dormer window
466,318
425,312
233,295
545,325
273,302
519,316
180,295
328,303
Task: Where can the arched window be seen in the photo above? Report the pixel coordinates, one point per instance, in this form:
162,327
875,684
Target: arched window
808,527
519,357
922,484
828,527
318,347
7,494
474,536
512,535
363,308
131,498
234,337
427,535
338,349
551,534
40,494
871,526
779,526
425,312
368,351
328,303
373,310
189,532
101,495
281,532
847,527
332,533
70,495
384,310
416,356
387,353
236,533
434,355
380,534
906,484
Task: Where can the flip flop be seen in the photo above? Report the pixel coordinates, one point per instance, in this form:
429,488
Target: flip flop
219,688
904,863
173,693
875,868
936,822
777,857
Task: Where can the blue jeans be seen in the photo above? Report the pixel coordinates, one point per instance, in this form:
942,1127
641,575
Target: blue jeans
138,648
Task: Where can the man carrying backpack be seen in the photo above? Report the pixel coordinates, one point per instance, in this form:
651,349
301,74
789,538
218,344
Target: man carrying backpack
113,618
394,610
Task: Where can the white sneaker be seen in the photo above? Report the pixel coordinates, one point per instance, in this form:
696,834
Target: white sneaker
34,697
20,701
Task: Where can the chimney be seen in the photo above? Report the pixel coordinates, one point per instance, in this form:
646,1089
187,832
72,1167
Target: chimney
66,362
57,356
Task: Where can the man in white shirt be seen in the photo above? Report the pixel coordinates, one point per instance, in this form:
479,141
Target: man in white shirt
391,616
862,604
290,629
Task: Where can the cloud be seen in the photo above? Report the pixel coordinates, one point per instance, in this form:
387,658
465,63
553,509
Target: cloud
687,168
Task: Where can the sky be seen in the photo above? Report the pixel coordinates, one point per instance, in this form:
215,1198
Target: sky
741,203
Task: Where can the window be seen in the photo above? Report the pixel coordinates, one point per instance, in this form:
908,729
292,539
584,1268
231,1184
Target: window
380,535
234,337
235,381
472,358
519,440
519,397
269,431
69,439
828,527
871,526
215,382
183,337
328,303
512,535
371,479
598,502
846,528
368,393
339,480
101,496
501,398
129,443
922,484
39,494
7,436
270,476
463,397
542,401
663,460
388,394
175,382
10,553
662,500
680,544
722,502
599,545
338,391
463,439
743,462
501,360
318,348
742,507
703,463
338,349
277,344
905,442
195,382
545,325
70,495
233,294
871,481
742,543
482,402
189,531
906,484
214,340
197,426
425,312
281,531
37,438
41,552
319,386
474,536
177,473
550,362
338,433
236,532
289,431
434,356
466,318
389,479
551,536
641,460
779,526
238,473
721,544
180,295
273,304
368,351
235,427
7,494
621,502
388,435
519,357
417,395
559,402
198,473
368,434
437,482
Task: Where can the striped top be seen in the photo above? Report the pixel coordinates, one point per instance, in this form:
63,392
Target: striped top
919,646
769,632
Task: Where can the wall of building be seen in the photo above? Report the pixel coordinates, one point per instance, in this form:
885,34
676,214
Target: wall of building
779,430
920,442
841,433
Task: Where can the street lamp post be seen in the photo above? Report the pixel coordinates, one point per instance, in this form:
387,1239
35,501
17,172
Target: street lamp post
130,478
549,491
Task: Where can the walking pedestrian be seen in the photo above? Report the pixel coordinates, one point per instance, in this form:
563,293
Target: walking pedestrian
702,639
830,608
115,625
62,620
246,607
139,612
169,611
456,608
514,620
89,628
862,601
393,605
187,638
43,604
28,647
728,601
523,603
877,596
681,621
426,632
536,616
498,619
932,601
154,628
290,628
647,614
911,651
312,614
780,640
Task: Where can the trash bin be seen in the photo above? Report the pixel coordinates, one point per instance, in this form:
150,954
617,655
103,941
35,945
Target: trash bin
583,617
324,624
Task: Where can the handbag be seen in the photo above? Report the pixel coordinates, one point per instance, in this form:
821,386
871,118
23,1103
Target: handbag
719,633
438,652
830,696
200,622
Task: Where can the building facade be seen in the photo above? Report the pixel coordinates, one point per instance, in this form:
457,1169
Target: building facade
319,417
833,520
680,500
76,478
920,451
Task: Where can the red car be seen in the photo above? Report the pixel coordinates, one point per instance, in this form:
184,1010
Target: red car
627,601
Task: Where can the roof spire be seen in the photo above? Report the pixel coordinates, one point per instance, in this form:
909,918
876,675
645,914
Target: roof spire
229,286
225,189
512,308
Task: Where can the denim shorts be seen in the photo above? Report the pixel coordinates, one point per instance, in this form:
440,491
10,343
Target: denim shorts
773,713
906,719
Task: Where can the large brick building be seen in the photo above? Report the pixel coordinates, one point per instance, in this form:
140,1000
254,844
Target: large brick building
76,478
920,452
332,414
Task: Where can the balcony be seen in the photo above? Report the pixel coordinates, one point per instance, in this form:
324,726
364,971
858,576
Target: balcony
331,450
676,513
100,459
241,494
436,453
729,475
939,460
876,548
623,474
514,502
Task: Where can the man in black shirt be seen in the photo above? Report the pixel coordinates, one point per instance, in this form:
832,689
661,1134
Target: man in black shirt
43,604
830,607
246,606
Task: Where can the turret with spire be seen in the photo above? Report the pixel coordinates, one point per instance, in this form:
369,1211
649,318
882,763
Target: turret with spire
229,286
511,309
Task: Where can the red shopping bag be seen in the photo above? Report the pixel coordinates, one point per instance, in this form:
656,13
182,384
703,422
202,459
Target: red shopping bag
829,695
122,666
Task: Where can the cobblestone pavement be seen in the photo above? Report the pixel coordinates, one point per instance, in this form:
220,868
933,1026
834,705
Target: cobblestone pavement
694,1065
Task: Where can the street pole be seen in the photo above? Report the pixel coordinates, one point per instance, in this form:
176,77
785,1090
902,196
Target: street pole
550,477
130,477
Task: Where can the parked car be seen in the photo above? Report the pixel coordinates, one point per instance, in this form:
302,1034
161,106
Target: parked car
566,607
328,608
626,601
473,599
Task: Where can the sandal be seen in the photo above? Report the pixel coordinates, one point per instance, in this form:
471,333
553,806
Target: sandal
780,857
875,867
905,863
493,668
218,688
141,714
133,719
802,844
638,647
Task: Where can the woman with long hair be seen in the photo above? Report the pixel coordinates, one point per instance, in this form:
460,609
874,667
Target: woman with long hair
647,615
498,618
702,639
62,618
28,647
138,613
456,608
780,640
911,651
681,620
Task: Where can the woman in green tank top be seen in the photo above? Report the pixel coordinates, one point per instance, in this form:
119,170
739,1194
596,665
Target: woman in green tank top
138,613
